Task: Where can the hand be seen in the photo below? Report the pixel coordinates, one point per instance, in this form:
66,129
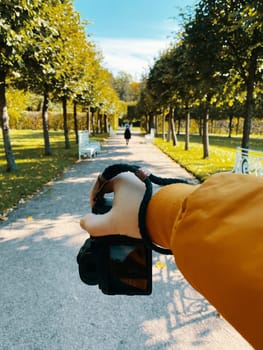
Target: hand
123,217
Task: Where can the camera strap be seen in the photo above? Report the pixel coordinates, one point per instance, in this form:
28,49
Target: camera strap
148,178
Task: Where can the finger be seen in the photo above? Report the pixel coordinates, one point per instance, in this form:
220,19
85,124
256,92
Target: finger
94,191
111,223
100,188
98,225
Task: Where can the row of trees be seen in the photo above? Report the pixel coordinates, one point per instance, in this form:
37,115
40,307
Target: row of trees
214,69
44,50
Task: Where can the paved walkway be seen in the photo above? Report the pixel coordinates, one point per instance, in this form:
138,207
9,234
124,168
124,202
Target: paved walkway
45,306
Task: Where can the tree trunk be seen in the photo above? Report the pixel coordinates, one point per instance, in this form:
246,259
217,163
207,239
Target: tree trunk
146,123
93,121
75,121
247,121
179,119
205,136
151,123
174,137
169,127
156,124
99,123
249,102
172,127
106,125
4,120
163,124
230,126
47,147
88,120
187,129
65,122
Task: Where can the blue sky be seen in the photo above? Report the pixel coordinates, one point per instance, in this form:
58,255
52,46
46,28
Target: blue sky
132,33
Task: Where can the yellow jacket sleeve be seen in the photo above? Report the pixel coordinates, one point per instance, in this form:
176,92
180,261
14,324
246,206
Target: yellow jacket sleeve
215,231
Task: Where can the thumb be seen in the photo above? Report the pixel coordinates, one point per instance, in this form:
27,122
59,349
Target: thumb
98,225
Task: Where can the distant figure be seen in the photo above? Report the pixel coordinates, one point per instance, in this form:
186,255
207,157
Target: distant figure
127,134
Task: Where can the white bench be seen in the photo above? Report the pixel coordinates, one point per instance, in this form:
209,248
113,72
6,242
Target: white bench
87,148
150,137
248,161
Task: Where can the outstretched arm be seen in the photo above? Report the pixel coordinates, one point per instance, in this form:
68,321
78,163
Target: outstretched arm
215,232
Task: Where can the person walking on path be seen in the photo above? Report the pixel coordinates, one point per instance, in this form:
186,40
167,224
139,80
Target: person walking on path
127,134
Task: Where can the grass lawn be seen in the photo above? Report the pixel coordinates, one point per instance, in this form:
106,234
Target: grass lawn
35,169
222,153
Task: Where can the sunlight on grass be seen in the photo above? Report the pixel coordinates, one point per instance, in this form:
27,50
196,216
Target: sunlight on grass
222,154
35,169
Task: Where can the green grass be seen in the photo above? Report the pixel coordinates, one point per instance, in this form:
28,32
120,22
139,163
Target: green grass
222,153
34,169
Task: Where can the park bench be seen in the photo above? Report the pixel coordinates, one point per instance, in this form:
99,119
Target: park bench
248,161
150,137
87,148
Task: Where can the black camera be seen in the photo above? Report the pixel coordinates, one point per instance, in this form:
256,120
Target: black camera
117,264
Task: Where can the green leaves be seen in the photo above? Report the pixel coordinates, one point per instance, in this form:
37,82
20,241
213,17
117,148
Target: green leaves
46,43
216,65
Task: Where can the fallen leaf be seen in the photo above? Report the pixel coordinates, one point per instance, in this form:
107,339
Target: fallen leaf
160,265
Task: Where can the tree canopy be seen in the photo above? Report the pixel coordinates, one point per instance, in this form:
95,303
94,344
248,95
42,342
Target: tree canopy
45,50
216,64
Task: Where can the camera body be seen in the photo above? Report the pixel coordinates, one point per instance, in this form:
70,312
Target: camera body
117,264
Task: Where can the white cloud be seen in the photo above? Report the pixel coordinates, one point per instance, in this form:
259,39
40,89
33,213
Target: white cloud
133,56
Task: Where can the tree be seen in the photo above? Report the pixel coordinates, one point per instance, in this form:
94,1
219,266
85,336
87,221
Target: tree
17,18
78,57
86,91
145,105
159,84
231,44
122,84
185,84
203,48
42,59
107,97
182,82
135,88
241,27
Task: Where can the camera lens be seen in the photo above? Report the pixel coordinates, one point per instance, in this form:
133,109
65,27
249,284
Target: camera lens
87,264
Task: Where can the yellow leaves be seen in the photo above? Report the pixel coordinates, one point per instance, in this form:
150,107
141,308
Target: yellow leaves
214,21
160,265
